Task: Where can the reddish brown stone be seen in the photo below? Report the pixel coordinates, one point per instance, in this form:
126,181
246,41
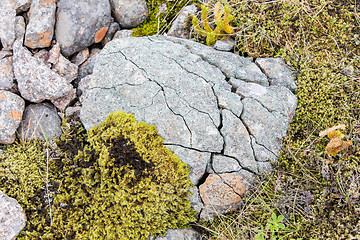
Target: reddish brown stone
100,34
223,189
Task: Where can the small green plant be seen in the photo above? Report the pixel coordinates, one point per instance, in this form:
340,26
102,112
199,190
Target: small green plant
222,18
274,224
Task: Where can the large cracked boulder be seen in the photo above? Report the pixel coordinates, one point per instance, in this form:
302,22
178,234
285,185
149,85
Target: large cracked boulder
217,111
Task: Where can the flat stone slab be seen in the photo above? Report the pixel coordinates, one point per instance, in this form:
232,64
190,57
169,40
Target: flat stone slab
216,110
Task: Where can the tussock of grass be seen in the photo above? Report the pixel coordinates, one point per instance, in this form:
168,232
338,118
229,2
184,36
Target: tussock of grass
317,194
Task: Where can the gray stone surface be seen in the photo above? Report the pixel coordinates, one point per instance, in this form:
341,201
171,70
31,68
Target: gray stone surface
40,28
129,14
209,106
12,217
223,164
123,33
6,74
19,28
21,5
7,24
180,234
225,45
196,160
277,71
40,121
11,112
195,199
179,27
77,23
36,81
66,69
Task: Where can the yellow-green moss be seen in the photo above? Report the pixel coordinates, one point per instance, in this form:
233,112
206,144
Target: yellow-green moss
104,198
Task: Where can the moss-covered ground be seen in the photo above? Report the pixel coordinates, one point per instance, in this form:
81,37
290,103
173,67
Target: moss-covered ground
318,194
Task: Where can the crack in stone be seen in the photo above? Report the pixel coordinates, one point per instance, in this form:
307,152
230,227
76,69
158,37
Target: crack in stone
266,108
117,85
190,148
263,71
245,168
162,88
179,116
229,186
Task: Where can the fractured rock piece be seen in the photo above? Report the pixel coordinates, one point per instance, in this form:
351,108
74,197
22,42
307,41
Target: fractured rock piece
261,153
21,5
230,64
12,217
274,98
7,24
80,57
36,81
223,192
77,23
66,69
19,28
195,199
114,27
12,108
6,74
268,128
278,72
123,33
223,164
41,121
40,29
180,234
129,14
237,141
196,160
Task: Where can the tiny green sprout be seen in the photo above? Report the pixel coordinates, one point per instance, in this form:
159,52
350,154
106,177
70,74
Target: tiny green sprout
275,223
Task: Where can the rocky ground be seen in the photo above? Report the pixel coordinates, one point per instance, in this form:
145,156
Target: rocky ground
222,114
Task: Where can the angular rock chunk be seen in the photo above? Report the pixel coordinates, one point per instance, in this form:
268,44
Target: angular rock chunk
19,28
7,24
123,33
277,71
267,128
114,27
179,28
36,81
40,29
41,121
180,234
12,217
223,191
6,74
237,141
21,5
129,14
196,160
80,57
66,69
223,164
12,108
77,23
274,98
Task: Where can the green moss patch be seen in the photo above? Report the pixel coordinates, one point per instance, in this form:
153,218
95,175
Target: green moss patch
121,183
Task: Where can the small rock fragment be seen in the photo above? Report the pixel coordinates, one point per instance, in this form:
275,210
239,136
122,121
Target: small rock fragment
12,217
114,27
123,33
36,81
223,164
129,14
180,28
225,45
100,34
80,57
21,5
66,69
54,54
12,108
40,29
19,28
7,24
6,74
278,72
77,23
41,121
180,234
